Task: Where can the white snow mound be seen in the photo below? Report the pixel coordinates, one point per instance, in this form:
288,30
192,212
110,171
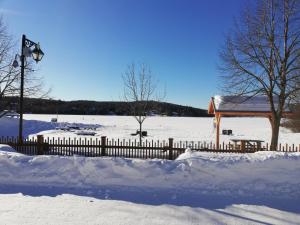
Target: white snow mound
259,174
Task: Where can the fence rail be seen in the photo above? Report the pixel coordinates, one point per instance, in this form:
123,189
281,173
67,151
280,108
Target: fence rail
126,148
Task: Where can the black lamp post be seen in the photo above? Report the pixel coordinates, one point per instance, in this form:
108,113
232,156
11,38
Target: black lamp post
26,51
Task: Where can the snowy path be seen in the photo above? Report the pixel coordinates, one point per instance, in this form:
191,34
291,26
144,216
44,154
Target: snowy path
73,210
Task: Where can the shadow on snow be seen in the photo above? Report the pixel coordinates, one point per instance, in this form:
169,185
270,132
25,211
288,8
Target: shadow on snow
151,196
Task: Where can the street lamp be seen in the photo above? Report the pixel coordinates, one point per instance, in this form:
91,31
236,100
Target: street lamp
29,48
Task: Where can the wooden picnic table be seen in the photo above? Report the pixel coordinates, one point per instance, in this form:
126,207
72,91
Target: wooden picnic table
247,144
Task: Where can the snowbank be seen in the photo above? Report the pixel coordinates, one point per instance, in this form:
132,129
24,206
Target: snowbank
257,174
197,188
10,126
233,157
6,149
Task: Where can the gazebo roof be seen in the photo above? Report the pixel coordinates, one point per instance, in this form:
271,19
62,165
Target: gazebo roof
241,105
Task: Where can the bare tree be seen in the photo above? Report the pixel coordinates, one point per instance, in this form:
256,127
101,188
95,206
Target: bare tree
261,56
140,92
7,73
10,76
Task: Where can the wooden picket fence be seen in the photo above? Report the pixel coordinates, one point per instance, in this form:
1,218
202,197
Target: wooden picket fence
99,147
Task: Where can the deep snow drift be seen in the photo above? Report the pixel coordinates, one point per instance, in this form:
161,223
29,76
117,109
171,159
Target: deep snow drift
260,174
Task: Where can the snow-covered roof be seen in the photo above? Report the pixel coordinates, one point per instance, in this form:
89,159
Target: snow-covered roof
241,104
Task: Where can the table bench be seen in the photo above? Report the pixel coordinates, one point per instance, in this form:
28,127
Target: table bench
247,144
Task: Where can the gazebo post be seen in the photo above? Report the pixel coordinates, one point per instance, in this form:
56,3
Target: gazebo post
218,120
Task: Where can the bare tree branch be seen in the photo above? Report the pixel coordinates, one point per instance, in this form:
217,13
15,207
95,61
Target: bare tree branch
139,91
10,76
261,56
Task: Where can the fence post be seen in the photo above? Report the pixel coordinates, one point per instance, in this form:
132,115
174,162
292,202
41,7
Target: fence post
103,144
171,148
40,144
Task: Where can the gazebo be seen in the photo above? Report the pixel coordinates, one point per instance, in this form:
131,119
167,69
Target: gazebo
239,106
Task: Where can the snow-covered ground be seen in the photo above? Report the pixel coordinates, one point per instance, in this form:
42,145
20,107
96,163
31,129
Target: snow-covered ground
179,128
197,188
72,210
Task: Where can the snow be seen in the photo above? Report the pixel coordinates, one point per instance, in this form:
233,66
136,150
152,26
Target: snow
160,128
9,126
87,133
218,174
196,188
5,149
243,103
73,210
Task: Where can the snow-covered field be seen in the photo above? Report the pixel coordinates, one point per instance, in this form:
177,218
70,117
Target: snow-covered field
179,128
197,188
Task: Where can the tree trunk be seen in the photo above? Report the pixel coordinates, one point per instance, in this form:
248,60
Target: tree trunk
140,134
275,124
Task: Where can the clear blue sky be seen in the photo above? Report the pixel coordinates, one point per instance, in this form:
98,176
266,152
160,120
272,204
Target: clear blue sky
88,44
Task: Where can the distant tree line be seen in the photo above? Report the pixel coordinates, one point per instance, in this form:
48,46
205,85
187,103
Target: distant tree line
82,107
